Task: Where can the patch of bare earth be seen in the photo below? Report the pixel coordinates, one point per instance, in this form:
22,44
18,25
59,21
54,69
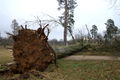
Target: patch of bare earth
85,57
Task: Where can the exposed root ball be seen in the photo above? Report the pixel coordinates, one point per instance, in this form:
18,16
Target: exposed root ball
31,50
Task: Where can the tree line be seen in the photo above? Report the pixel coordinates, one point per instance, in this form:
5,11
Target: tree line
109,36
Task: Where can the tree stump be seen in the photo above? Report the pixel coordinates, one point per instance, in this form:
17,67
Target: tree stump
31,50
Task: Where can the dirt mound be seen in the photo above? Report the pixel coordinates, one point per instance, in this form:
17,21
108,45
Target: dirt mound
31,50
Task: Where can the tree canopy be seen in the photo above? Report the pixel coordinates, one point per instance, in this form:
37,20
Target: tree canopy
94,31
111,29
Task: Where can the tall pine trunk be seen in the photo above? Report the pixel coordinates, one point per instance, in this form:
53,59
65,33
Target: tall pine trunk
65,22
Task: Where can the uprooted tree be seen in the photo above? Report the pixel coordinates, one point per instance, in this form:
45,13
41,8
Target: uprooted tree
31,50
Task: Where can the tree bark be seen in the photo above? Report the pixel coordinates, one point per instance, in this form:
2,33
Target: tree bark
65,22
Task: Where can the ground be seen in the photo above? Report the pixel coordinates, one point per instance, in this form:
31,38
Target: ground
89,57
72,69
81,70
5,55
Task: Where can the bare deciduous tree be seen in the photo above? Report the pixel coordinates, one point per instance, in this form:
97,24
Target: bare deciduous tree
15,27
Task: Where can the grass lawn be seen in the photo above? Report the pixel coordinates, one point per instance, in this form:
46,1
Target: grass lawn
82,70
86,70
5,55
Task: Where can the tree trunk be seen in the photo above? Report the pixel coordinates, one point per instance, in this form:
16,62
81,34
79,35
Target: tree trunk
65,22
73,38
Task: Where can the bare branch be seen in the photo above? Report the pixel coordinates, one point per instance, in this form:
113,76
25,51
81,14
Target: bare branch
45,26
39,22
25,26
114,3
22,27
9,34
48,32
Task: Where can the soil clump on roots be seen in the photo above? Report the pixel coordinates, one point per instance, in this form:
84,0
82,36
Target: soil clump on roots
31,50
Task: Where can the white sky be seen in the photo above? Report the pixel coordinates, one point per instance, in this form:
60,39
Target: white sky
88,12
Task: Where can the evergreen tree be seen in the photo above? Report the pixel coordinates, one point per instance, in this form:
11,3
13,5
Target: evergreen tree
111,30
66,19
94,31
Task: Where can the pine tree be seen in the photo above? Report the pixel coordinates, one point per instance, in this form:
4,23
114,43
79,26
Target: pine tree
94,31
66,19
111,30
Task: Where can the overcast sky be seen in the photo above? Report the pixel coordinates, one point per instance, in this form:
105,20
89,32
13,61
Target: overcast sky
88,12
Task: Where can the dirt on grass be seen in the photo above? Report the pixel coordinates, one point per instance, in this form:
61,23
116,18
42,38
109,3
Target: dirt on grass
88,57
